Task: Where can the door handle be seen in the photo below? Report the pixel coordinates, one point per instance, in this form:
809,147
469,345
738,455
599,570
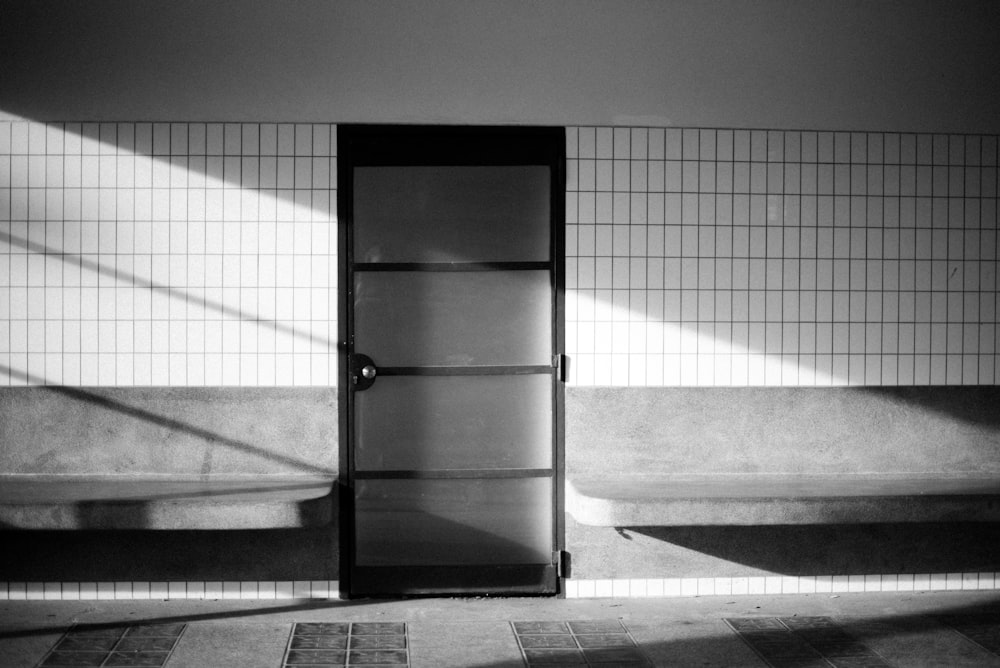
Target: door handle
363,372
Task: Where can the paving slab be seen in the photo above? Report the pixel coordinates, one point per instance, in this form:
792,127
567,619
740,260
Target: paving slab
922,641
455,644
250,645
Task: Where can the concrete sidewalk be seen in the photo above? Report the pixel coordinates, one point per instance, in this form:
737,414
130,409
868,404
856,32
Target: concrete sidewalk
912,629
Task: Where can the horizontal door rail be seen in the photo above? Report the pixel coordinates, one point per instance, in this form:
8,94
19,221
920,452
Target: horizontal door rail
452,474
452,266
401,579
485,370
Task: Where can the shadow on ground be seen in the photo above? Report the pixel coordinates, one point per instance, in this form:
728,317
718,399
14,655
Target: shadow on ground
666,637
925,547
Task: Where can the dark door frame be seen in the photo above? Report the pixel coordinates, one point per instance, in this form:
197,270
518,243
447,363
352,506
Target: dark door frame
443,145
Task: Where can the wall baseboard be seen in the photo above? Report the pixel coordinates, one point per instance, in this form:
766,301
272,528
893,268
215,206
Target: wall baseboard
775,585
584,588
262,590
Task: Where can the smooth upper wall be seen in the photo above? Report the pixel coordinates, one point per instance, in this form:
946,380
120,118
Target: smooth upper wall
916,66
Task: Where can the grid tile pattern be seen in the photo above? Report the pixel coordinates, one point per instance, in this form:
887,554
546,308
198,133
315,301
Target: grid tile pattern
124,646
794,642
347,644
587,643
193,590
167,254
982,629
778,584
574,588
739,257
204,254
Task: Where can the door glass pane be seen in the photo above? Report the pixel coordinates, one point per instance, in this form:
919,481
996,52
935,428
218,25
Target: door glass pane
405,318
451,214
454,422
453,522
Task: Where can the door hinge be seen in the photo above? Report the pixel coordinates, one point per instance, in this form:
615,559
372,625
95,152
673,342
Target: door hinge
562,561
561,364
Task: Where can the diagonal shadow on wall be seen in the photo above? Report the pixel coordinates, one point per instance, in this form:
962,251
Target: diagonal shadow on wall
169,423
175,293
972,405
830,549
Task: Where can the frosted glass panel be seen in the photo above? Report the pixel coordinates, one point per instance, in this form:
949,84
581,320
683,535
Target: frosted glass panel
451,214
453,522
454,422
405,318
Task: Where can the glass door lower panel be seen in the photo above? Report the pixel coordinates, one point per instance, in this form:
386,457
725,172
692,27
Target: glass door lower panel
453,534
453,521
522,579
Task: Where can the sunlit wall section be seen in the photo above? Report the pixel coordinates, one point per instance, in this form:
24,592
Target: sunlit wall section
733,257
171,254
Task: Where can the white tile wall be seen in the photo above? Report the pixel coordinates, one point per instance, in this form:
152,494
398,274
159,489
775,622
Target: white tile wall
168,254
205,254
131,591
738,257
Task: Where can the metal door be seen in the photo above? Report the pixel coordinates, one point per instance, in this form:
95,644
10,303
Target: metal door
451,314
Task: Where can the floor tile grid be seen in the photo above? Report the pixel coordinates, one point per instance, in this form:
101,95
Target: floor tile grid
983,630
804,643
76,646
378,644
836,644
327,643
775,644
347,644
591,643
123,646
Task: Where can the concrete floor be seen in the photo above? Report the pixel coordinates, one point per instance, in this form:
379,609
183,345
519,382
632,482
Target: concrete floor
907,629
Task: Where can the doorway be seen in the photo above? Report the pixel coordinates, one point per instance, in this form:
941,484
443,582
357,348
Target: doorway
451,250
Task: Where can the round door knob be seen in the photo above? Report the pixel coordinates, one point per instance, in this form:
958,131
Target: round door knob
363,372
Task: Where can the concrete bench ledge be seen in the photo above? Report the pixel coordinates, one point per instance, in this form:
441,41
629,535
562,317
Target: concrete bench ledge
763,499
76,502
